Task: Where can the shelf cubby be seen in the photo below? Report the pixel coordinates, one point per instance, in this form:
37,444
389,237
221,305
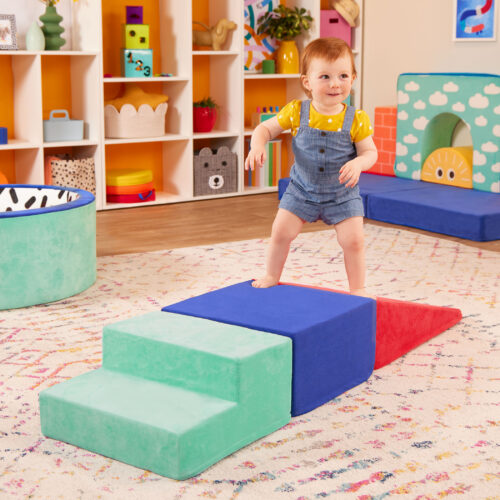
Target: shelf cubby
35,82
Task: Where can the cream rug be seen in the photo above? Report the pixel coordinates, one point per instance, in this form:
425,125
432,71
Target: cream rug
427,426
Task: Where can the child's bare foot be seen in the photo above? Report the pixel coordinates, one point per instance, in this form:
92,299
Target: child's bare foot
265,282
361,292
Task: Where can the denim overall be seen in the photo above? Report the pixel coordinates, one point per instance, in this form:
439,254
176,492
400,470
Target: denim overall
314,191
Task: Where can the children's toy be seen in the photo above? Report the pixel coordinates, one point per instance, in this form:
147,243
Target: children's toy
451,166
215,172
178,391
384,137
429,108
262,115
149,195
175,394
48,237
136,36
333,334
133,14
131,189
215,36
137,57
3,135
128,177
135,114
403,326
465,213
129,186
62,128
137,63
332,24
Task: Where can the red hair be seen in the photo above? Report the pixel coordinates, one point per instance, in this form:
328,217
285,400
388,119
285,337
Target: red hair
325,48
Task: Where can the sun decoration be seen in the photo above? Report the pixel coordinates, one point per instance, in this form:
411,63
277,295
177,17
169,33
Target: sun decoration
451,166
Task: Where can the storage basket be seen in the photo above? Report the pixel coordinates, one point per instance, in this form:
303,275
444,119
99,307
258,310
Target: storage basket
69,171
215,171
57,129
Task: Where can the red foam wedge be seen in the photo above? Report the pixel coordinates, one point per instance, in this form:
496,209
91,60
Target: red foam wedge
402,326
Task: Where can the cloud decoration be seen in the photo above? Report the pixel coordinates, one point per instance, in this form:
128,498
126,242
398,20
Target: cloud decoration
420,123
492,89
438,99
403,98
479,101
410,139
450,87
458,106
412,86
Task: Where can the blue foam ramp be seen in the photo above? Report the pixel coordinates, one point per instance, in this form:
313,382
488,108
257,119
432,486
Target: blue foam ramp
333,334
465,213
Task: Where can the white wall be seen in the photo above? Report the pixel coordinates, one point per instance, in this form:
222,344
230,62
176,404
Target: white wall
27,11
416,36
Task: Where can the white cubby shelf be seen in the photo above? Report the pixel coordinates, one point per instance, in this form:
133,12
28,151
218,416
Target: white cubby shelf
228,84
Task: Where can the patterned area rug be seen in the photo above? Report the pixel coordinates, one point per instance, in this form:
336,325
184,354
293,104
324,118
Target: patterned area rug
425,426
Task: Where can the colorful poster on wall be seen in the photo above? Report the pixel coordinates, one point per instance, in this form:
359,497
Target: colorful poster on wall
257,47
475,20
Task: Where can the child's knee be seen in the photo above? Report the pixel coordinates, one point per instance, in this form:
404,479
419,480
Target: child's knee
353,242
283,234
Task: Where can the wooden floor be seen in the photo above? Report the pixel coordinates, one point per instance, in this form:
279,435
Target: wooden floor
206,222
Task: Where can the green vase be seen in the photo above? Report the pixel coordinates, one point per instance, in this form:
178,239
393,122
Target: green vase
51,29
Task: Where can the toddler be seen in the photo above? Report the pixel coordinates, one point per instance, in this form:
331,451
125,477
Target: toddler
332,144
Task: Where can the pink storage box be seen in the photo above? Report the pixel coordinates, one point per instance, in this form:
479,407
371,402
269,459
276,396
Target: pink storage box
333,24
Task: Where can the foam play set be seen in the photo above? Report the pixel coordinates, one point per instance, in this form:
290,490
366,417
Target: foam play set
48,237
129,186
181,388
434,185
137,57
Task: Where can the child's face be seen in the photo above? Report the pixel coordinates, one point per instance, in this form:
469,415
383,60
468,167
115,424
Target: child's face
329,82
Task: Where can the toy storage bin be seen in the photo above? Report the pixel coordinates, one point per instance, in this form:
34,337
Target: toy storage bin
215,171
332,24
62,128
70,171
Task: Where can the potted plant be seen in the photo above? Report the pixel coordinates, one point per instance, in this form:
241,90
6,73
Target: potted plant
204,114
285,24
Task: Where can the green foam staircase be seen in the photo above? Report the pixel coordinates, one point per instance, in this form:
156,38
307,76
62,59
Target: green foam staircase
175,393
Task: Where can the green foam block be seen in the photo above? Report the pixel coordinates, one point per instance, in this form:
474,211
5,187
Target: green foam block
175,393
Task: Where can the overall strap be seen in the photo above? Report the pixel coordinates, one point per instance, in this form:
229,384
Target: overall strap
348,118
304,113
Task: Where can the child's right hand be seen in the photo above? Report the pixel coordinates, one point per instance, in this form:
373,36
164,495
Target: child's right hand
256,158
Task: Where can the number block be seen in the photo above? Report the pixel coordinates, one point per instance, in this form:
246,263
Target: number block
137,63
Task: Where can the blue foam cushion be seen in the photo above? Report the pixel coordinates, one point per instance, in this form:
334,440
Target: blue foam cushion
333,334
372,183
466,213
368,184
282,185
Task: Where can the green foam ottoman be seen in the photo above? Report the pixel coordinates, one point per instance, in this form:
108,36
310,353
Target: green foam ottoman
175,393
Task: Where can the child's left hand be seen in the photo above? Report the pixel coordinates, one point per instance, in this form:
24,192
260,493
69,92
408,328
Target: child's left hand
350,173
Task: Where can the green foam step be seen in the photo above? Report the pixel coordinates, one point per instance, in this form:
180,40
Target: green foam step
175,393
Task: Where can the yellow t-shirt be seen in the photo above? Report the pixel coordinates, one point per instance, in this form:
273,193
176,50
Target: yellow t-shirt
289,117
